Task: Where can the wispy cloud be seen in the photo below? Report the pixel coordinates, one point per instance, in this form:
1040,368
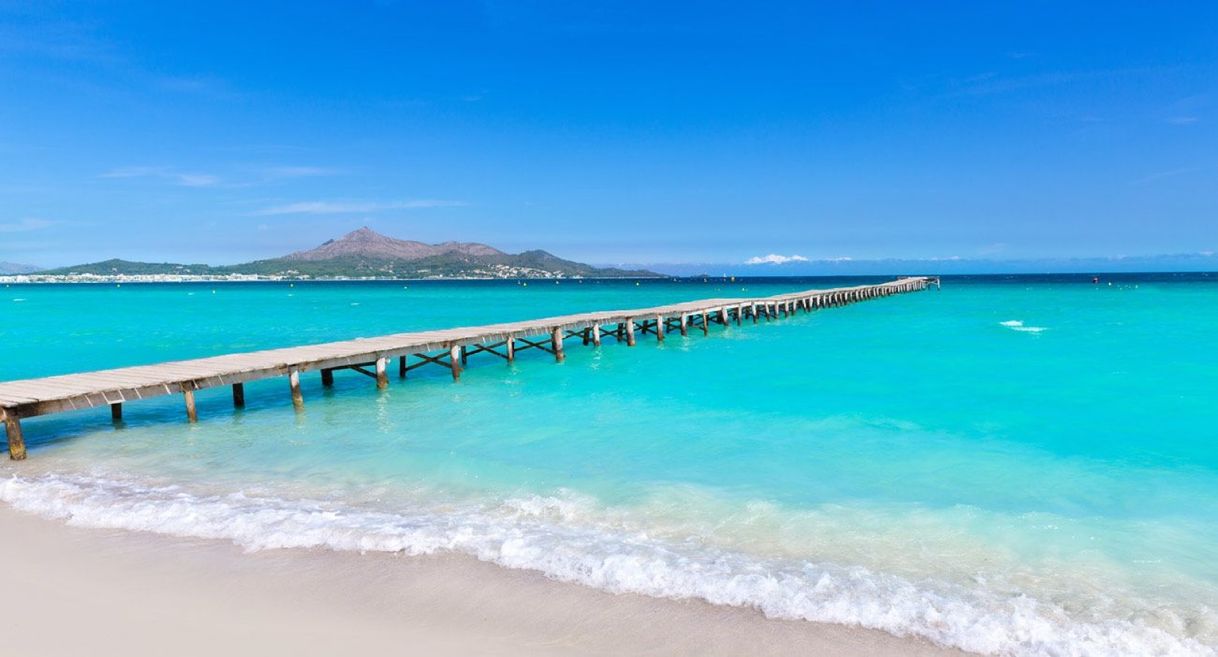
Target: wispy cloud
1182,120
26,225
182,178
349,207
774,259
1159,175
281,172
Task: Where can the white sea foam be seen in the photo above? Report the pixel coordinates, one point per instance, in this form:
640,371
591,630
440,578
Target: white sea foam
552,535
1018,325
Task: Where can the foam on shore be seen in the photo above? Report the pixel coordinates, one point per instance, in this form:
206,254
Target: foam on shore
540,533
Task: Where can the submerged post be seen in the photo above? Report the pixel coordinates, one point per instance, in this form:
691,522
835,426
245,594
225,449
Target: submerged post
659,328
556,344
596,335
16,441
629,331
116,412
327,377
382,376
238,395
705,323
294,385
454,357
510,345
401,367
684,324
188,395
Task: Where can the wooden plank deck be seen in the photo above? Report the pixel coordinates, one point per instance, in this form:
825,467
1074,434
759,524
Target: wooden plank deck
54,394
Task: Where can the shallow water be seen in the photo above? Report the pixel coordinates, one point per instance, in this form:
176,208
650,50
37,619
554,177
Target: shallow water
1010,465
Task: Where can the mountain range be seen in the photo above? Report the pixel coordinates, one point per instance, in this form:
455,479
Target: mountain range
14,268
365,253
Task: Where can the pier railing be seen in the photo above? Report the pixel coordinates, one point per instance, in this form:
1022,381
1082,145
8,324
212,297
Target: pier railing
449,348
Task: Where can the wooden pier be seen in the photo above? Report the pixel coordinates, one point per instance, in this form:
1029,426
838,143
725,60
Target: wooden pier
448,348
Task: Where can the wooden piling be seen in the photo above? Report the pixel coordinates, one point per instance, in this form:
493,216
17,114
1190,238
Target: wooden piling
660,328
238,395
16,441
510,346
382,376
327,377
684,324
596,335
630,332
705,323
556,345
294,386
192,414
116,412
454,356
402,369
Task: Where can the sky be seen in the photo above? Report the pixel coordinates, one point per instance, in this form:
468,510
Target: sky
630,132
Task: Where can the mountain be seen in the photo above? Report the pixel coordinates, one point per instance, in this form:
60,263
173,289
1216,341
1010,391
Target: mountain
14,268
116,267
367,243
364,253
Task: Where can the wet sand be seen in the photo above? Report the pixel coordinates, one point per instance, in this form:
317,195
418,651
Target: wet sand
75,591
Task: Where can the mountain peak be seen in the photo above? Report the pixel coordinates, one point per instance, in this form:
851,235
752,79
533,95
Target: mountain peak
362,234
369,244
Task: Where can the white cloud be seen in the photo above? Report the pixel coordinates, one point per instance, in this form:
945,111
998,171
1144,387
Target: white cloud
349,207
774,259
177,177
298,172
25,225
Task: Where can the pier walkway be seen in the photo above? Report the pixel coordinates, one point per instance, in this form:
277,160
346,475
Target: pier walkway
448,348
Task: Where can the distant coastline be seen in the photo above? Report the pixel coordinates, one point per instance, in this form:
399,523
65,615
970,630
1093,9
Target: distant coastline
87,279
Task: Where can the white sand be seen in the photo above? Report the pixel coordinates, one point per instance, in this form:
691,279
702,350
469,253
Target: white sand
71,591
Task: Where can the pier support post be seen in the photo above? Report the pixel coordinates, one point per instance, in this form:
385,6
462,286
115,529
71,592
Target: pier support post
116,412
510,345
754,313
556,345
739,314
192,414
705,324
382,376
630,332
684,324
586,336
294,385
238,395
327,377
659,328
16,441
454,357
596,335
401,367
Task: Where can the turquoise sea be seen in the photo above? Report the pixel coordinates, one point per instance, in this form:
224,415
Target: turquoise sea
1010,465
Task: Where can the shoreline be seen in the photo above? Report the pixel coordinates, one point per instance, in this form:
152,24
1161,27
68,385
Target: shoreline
74,591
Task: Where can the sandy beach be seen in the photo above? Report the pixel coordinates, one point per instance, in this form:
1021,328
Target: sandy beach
74,591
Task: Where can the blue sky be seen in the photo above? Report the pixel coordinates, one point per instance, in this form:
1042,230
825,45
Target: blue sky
626,133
